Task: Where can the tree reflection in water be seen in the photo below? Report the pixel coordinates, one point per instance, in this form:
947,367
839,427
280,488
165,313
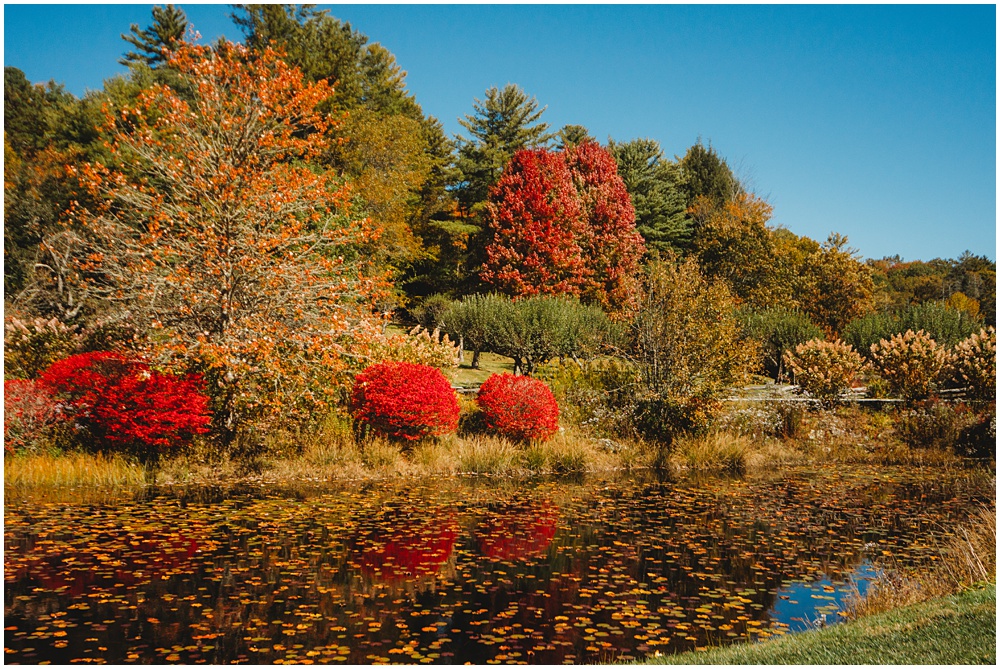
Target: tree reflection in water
454,571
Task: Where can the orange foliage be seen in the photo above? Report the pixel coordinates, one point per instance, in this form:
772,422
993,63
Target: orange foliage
214,235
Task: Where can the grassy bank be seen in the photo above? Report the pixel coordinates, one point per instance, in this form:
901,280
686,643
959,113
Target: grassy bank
750,437
957,629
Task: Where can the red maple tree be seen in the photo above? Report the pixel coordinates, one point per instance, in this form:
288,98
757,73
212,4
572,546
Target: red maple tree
611,245
563,223
534,223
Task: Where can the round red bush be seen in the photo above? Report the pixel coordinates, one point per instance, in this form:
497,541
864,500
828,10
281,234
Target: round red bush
519,407
124,403
404,400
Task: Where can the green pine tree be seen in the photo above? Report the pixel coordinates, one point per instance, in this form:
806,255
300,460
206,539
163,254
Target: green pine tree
706,173
656,188
572,135
504,122
169,26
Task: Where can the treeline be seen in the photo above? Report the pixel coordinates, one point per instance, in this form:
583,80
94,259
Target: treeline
255,213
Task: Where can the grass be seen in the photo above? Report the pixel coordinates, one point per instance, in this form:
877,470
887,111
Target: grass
732,452
966,558
752,437
956,629
70,470
465,376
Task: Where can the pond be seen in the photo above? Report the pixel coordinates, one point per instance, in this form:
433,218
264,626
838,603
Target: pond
457,570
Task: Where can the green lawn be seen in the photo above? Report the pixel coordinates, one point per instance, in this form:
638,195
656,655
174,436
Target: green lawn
960,629
489,363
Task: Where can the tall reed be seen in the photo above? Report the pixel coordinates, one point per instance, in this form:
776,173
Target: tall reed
72,469
966,558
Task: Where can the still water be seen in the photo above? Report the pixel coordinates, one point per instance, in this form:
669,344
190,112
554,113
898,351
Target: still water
457,570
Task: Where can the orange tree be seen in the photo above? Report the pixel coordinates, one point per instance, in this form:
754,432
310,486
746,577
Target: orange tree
216,235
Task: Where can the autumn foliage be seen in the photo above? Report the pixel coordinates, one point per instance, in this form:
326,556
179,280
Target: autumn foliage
973,362
563,223
220,240
534,223
910,363
404,400
125,404
824,369
519,407
611,245
28,410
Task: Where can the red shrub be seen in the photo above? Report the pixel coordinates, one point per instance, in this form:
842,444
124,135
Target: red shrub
404,400
125,403
519,407
28,409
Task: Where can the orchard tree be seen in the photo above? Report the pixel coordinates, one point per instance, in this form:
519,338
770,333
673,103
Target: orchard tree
534,226
240,261
611,246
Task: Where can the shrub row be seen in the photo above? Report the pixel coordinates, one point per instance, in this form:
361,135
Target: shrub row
408,401
912,365
124,404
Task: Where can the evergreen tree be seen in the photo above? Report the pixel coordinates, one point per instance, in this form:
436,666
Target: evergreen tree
506,121
318,44
706,174
169,26
656,188
572,135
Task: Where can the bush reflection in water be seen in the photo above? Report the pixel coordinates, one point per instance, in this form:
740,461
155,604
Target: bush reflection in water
455,571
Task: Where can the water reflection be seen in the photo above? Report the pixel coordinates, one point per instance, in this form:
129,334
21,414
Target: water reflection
455,571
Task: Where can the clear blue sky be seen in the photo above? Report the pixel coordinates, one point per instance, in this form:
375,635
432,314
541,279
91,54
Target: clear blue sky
878,122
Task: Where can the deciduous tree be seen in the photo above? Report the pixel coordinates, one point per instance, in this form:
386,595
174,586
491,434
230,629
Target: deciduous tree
686,341
534,227
239,259
733,243
611,246
837,286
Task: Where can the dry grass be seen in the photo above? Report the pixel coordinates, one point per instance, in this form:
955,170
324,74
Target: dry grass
851,434
73,469
966,559
727,451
